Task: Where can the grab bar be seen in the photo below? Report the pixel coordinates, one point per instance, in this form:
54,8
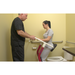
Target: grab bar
70,42
52,42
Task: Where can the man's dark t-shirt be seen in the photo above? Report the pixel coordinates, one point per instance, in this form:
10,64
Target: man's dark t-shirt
16,39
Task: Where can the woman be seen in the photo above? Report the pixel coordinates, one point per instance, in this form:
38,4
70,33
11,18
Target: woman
47,38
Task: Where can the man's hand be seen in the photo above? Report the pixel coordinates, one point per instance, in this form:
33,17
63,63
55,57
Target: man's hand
32,37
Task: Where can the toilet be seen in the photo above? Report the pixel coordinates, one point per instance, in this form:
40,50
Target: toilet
56,59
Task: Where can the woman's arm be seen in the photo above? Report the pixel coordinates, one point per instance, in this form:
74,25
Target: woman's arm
47,39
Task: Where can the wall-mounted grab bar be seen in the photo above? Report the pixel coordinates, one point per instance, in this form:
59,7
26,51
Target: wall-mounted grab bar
70,42
52,41
35,41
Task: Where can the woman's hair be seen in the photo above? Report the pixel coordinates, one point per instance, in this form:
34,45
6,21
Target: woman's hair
47,22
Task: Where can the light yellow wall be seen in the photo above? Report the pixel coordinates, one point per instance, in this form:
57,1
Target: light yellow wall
5,48
33,25
70,28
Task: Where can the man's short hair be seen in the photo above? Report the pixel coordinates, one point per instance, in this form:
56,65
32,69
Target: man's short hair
18,13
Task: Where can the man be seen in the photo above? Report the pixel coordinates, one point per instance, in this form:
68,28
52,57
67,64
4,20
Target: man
18,35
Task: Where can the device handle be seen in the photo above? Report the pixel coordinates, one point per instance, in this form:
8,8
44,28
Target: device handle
43,42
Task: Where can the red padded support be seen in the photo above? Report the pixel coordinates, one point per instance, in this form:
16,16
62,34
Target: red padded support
39,54
38,49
